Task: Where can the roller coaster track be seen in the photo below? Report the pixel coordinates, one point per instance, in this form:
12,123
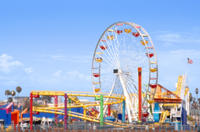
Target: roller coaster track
164,114
75,99
84,117
115,99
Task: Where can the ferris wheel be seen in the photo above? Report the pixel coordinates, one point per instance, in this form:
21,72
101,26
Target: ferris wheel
121,49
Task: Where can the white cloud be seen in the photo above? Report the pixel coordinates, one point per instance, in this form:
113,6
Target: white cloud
70,75
77,75
7,63
58,57
170,38
72,58
28,70
57,73
187,52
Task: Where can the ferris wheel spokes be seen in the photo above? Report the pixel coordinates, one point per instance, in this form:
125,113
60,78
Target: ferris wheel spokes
128,103
111,92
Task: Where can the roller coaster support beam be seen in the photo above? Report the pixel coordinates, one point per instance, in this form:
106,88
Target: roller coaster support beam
69,101
65,116
31,111
139,93
101,111
84,112
109,110
123,111
56,105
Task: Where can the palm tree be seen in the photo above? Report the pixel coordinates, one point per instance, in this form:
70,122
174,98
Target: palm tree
18,89
7,92
190,97
199,101
10,99
197,91
13,93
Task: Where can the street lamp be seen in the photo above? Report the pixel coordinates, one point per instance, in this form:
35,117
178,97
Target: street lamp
197,91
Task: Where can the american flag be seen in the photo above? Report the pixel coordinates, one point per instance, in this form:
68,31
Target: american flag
190,61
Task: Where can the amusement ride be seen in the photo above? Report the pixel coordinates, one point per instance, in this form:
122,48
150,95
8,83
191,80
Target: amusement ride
124,77
121,50
124,72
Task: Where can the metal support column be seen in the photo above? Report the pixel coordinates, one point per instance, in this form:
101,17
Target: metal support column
31,111
69,102
123,111
101,111
139,93
56,105
65,116
109,110
84,113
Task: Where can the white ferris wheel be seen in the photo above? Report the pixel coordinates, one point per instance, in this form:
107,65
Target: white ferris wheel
121,49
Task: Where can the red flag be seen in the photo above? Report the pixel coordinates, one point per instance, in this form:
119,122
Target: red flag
190,61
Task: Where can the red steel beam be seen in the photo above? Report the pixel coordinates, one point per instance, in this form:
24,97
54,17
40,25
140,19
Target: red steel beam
56,105
165,100
169,91
31,111
139,93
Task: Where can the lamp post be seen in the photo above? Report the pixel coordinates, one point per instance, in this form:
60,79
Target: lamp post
197,114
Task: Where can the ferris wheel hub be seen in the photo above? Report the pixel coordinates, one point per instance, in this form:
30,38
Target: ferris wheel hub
115,71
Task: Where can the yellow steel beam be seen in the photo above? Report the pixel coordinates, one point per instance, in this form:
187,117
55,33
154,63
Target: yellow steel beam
89,118
171,105
75,99
58,110
77,106
179,85
62,93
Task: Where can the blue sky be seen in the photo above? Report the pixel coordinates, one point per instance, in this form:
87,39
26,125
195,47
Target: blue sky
48,45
